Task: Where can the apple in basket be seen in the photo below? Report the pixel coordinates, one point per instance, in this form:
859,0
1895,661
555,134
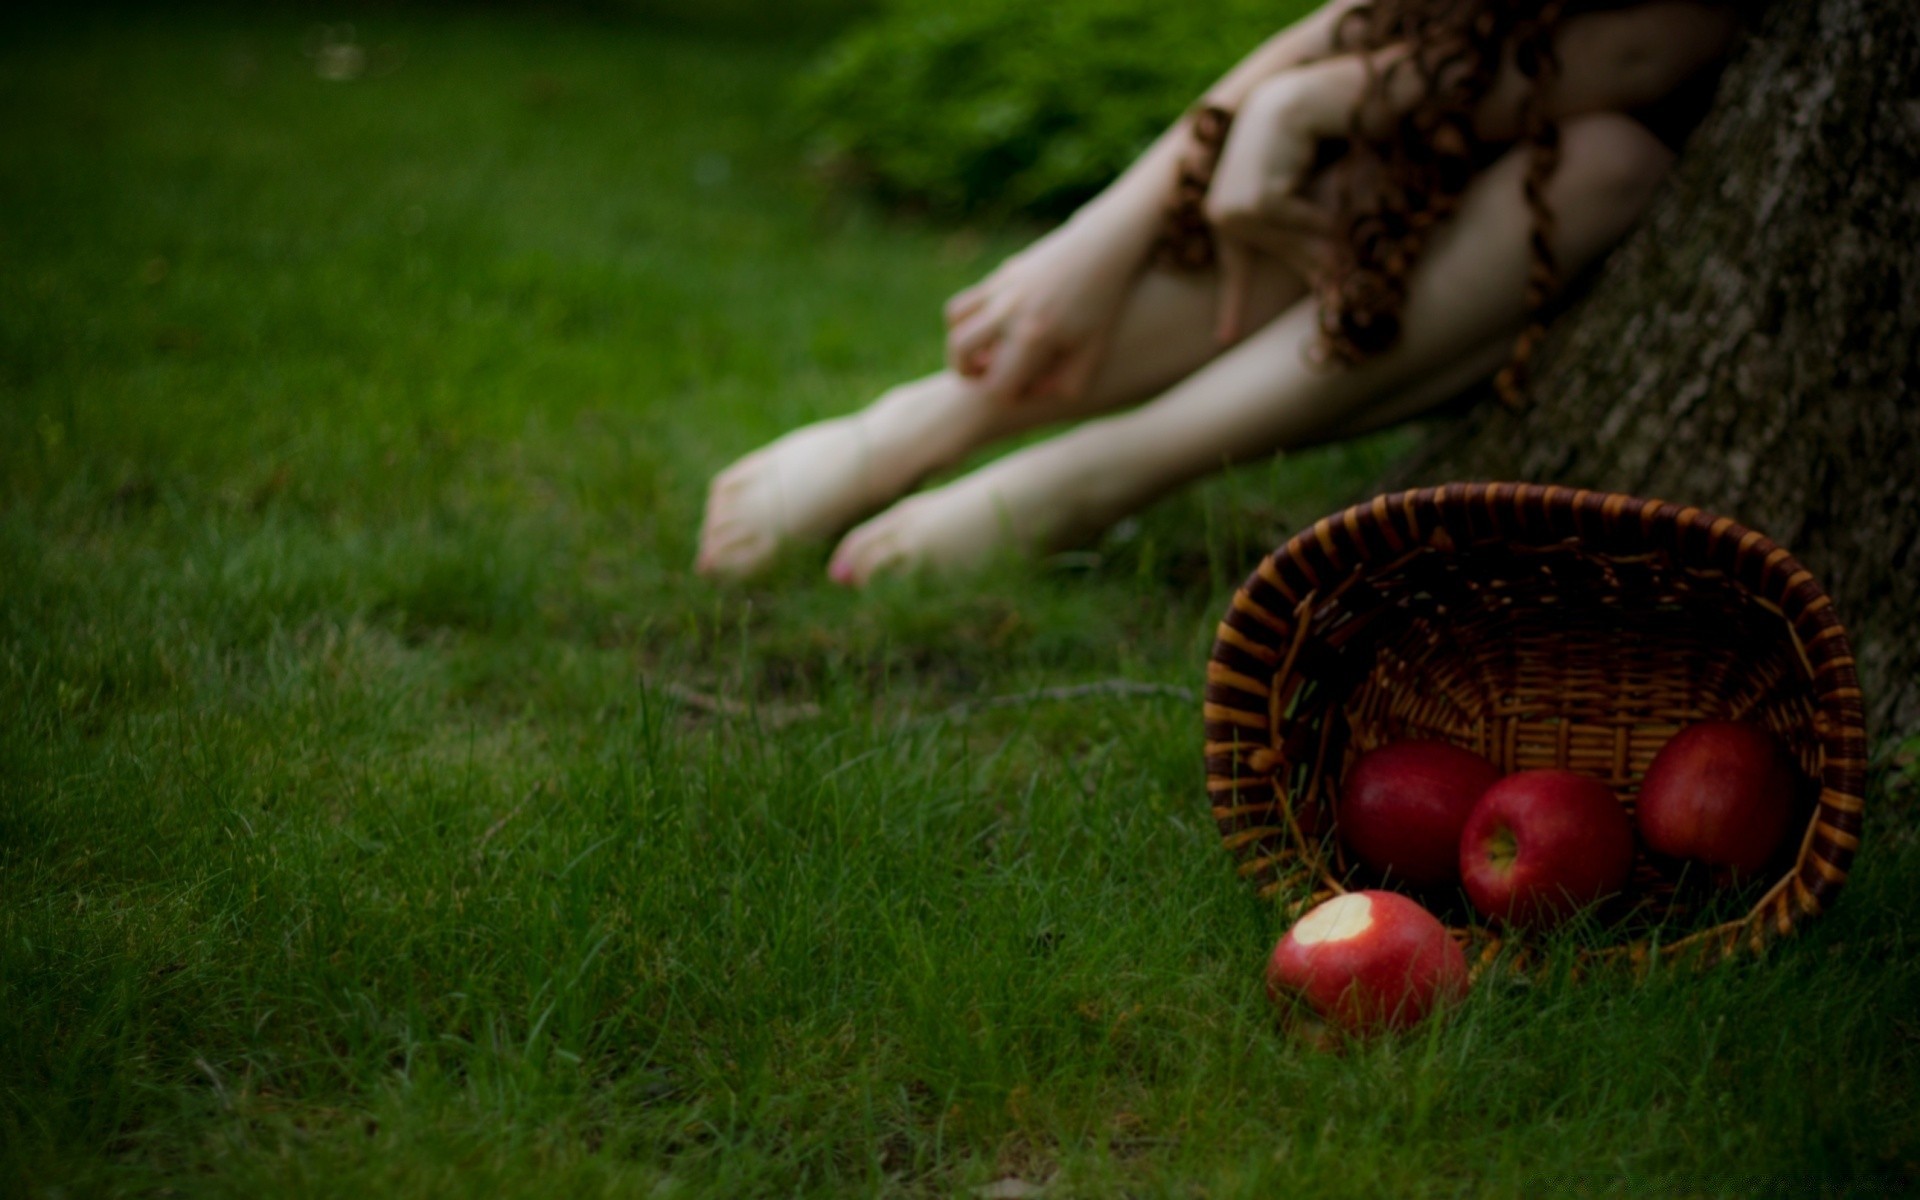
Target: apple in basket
1402,807
1720,792
1368,961
1542,845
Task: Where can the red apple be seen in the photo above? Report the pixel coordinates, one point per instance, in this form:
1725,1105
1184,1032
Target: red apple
1542,845
1720,792
1403,805
1368,961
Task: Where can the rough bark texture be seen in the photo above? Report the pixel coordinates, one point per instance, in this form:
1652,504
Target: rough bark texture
1754,347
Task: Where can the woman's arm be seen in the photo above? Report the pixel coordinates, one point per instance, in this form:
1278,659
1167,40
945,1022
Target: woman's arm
1609,61
1039,320
1135,202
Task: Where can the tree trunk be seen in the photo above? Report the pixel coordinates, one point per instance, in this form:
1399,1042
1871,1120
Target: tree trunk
1754,347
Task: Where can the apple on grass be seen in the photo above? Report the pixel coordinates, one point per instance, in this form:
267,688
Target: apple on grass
1542,845
1720,792
1368,961
1403,805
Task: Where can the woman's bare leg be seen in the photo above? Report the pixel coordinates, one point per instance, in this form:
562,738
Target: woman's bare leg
818,480
1264,394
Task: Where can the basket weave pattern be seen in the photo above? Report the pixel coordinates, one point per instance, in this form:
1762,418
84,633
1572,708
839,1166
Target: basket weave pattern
1540,627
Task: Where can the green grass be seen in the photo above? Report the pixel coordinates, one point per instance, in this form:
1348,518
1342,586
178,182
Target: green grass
353,839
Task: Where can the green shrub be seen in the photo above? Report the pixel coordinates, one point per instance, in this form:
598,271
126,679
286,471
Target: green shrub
1000,106
751,18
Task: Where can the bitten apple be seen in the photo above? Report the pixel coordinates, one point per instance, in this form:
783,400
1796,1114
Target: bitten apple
1368,961
1720,792
1403,805
1542,845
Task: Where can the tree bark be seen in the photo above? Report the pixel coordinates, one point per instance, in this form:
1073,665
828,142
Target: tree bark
1754,346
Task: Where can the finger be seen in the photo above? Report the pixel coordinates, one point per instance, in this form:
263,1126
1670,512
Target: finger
968,300
1018,359
1236,277
1291,214
965,303
1259,237
980,317
971,342
1237,185
1298,250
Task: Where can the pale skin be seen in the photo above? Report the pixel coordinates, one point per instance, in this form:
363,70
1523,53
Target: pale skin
1174,375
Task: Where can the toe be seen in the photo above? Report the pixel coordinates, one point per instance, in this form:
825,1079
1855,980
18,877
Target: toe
847,567
866,552
843,566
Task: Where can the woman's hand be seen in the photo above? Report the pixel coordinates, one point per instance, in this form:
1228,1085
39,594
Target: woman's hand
1038,325
1255,203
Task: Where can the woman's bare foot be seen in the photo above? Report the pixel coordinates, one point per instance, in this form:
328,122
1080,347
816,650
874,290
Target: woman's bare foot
816,481
810,484
1039,498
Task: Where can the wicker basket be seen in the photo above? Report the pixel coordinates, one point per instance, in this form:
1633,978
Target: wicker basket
1540,627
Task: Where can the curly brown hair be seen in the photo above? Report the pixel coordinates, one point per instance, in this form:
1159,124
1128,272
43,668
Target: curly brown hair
1396,190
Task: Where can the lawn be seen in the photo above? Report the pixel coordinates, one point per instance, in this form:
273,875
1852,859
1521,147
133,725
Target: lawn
386,809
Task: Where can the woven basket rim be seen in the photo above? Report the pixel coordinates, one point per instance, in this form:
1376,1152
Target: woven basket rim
1275,611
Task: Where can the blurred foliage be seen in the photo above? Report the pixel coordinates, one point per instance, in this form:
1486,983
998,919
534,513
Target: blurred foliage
736,18
806,23
1004,106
